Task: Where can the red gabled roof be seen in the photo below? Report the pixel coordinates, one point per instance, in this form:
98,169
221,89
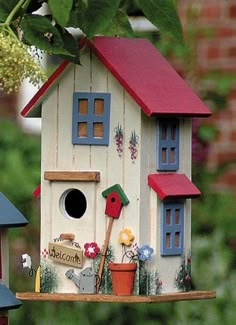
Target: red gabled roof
143,72
170,185
37,191
33,107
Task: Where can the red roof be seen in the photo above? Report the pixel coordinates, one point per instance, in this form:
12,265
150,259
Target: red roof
37,191
143,72
172,185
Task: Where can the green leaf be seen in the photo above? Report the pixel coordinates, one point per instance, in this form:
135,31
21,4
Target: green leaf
77,15
70,45
163,15
38,31
98,16
119,26
60,11
207,133
6,7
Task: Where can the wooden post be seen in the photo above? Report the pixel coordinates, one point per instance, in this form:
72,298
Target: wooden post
101,266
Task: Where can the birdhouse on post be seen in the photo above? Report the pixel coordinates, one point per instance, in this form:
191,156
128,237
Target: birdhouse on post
115,200
9,217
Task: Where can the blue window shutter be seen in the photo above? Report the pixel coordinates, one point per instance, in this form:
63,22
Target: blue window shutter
168,144
0,257
172,228
88,126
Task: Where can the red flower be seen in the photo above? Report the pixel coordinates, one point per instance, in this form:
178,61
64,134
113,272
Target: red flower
91,249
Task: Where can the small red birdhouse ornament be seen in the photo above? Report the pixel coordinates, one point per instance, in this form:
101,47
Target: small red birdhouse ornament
115,199
113,205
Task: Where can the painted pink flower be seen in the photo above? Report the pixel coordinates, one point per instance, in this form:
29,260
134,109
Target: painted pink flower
91,249
44,252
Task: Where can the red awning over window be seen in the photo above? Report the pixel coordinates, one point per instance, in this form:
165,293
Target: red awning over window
170,185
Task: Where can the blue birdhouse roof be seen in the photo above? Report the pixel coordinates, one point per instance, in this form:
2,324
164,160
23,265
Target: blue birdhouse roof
8,299
10,216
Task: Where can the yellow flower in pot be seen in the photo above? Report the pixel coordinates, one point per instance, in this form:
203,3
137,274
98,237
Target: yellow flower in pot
123,274
126,237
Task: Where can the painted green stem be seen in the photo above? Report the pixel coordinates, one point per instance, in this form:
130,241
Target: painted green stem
20,4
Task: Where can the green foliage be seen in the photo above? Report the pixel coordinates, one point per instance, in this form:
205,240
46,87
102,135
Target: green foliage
163,15
119,25
148,281
48,278
70,47
207,132
98,16
212,211
5,8
183,277
50,32
38,30
91,16
19,165
105,282
222,81
77,14
61,13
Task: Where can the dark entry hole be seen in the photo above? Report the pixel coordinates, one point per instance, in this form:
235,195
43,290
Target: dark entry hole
75,203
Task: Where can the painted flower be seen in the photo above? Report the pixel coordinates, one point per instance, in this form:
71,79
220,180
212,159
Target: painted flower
126,237
44,252
91,249
145,252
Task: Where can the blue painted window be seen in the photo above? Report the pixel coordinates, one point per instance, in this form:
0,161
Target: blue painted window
168,144
91,118
172,228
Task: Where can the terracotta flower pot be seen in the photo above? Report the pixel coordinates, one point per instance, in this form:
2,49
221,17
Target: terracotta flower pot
122,278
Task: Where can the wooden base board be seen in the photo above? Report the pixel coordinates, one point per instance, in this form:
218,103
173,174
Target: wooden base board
167,297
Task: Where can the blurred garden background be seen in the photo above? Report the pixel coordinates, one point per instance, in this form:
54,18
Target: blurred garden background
208,63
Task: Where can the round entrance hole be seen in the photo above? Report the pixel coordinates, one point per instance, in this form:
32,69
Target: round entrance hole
73,203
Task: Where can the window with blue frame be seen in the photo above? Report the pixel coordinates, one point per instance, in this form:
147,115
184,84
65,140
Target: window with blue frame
168,144
172,228
91,118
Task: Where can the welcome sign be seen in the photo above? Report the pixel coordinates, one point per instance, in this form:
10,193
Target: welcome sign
69,255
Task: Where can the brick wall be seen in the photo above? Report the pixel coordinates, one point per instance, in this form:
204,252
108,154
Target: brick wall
217,51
